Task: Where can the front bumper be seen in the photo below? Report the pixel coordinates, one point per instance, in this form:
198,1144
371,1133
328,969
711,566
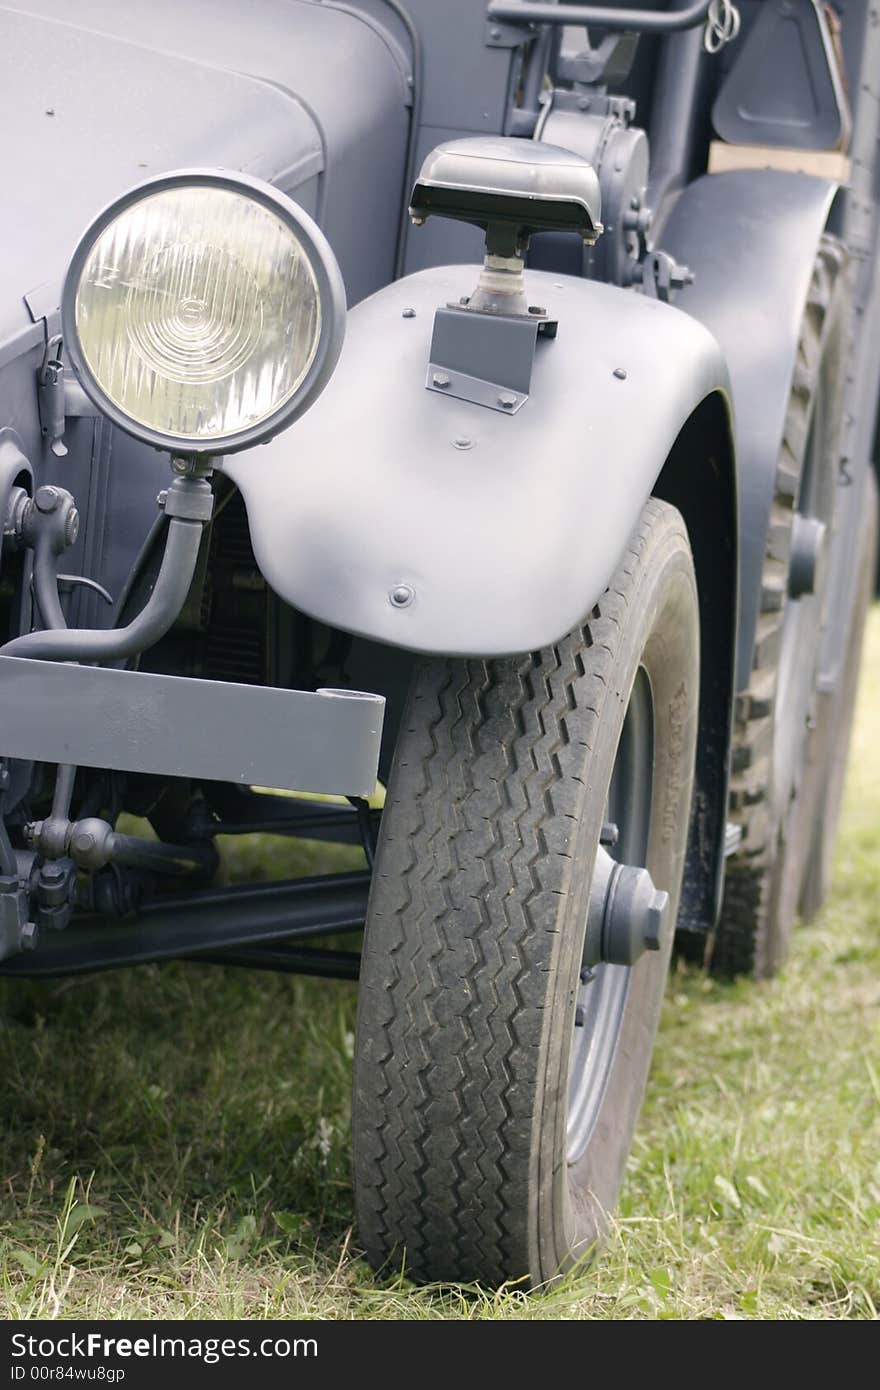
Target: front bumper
174,726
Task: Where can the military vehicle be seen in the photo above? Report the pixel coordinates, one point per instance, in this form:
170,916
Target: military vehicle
350,435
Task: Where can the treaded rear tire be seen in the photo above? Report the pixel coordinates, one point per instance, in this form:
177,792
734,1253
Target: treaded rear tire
836,719
475,928
760,894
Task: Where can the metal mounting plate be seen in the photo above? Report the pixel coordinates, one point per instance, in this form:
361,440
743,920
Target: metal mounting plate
464,344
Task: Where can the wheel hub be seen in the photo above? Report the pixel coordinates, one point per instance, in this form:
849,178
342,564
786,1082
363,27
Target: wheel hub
627,915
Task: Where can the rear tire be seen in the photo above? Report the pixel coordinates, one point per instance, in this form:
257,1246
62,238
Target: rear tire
771,797
835,720
472,1158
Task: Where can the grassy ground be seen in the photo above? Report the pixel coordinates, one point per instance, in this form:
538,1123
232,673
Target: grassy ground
176,1139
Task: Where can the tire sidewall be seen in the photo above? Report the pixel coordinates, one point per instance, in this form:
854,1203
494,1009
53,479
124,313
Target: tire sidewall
661,636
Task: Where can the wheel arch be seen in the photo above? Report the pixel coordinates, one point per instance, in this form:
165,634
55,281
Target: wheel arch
751,236
699,478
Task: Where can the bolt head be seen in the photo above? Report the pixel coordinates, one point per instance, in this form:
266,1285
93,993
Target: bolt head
46,499
609,834
656,920
440,379
507,402
408,314
28,938
52,872
462,442
620,373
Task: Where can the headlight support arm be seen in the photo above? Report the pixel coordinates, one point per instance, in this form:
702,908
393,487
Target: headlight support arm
188,502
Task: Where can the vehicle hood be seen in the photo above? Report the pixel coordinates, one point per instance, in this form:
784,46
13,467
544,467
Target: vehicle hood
86,115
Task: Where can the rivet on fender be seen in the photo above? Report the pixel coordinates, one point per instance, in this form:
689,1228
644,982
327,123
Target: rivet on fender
401,596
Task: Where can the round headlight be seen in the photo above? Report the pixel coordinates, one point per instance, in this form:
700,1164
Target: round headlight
203,312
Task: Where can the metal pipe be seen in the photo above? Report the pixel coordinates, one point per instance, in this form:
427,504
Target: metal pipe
8,860
415,126
46,583
155,618
623,21
206,921
674,116
154,856
64,780
524,118
326,965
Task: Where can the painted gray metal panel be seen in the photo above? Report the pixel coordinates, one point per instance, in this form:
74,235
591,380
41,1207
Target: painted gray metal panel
178,727
282,89
751,238
466,82
507,529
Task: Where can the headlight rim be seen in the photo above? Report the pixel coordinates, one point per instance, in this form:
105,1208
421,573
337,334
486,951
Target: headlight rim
331,293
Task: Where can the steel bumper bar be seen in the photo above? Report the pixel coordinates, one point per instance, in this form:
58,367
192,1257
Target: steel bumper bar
174,726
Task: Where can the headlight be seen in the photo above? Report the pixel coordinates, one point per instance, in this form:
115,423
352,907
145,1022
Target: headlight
203,312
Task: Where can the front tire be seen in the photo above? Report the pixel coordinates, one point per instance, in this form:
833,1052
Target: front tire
498,1078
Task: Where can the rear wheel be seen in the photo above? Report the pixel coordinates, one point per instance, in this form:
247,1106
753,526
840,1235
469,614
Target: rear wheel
835,720
519,929
771,797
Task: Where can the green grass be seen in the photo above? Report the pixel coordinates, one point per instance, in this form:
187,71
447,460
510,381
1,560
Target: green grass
175,1139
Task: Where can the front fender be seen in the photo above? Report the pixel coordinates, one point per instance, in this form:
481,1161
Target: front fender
506,528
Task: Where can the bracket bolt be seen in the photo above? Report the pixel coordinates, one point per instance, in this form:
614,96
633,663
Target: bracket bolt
507,402
440,379
402,595
46,499
82,841
408,314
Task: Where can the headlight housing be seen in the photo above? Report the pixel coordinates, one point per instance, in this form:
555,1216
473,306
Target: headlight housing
203,311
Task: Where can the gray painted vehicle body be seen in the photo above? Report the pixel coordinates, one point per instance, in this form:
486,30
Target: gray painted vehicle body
750,288
505,527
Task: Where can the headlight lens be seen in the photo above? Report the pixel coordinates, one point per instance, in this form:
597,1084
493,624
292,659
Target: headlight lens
198,313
